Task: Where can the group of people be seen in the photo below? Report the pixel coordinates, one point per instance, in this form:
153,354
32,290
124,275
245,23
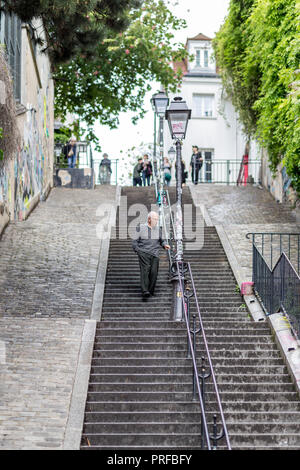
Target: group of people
142,171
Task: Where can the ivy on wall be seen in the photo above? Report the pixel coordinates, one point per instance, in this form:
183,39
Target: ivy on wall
258,54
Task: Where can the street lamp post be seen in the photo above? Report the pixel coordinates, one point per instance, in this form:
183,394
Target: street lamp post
160,102
154,138
177,116
171,153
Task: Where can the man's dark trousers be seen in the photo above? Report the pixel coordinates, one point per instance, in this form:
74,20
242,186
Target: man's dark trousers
195,173
148,271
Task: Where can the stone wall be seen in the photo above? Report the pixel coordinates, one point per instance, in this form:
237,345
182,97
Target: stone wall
28,177
279,185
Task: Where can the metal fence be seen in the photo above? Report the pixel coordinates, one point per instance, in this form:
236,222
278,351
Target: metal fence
113,179
278,287
227,171
272,244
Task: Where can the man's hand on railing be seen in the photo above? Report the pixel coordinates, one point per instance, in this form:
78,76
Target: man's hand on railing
167,247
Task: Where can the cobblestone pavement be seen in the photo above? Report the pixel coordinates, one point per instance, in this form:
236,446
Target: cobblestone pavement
241,210
48,263
48,268
36,380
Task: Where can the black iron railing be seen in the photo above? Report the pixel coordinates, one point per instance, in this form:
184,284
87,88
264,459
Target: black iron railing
227,172
277,285
195,329
272,244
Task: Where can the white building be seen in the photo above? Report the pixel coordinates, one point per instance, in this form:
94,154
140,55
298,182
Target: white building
214,125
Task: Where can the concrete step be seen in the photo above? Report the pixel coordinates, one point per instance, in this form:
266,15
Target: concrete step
180,383
226,396
189,406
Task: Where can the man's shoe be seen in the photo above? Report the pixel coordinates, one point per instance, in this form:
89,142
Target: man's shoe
152,293
145,294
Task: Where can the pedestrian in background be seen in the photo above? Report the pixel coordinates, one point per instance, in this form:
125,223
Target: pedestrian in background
196,163
70,151
147,245
147,170
105,170
137,180
167,171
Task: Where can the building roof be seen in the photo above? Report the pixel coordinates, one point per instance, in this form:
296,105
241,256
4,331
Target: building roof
200,37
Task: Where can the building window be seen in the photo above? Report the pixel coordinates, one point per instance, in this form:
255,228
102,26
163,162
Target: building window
10,36
206,58
198,58
203,105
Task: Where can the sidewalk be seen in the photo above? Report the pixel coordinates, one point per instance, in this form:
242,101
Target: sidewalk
240,210
48,268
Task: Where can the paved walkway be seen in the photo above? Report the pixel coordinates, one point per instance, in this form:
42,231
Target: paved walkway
240,210
48,268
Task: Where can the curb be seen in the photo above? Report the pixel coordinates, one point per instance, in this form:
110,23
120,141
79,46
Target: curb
75,421
289,346
73,432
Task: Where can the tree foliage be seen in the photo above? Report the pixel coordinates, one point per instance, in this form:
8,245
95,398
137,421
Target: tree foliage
258,53
74,26
117,77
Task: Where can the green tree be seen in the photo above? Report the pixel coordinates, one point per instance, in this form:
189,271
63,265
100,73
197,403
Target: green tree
118,75
258,53
73,26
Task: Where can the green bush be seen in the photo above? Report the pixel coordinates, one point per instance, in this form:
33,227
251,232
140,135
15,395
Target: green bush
258,54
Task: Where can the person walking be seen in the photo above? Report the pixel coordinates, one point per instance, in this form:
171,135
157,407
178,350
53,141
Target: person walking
137,180
70,151
105,170
147,244
167,171
147,170
196,163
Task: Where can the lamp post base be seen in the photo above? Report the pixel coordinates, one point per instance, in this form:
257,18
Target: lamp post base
176,313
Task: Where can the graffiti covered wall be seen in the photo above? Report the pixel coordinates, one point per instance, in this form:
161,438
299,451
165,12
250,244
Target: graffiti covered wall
29,176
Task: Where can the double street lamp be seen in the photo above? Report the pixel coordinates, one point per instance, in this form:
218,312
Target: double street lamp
160,102
178,116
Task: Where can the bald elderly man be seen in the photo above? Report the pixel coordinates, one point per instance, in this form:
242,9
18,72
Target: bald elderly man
147,245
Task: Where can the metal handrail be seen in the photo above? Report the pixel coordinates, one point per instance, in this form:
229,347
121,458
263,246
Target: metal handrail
209,360
180,269
207,437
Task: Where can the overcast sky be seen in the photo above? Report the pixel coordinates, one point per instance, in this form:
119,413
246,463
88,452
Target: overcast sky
202,16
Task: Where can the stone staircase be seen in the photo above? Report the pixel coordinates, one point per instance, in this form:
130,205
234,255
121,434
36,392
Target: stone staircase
140,390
